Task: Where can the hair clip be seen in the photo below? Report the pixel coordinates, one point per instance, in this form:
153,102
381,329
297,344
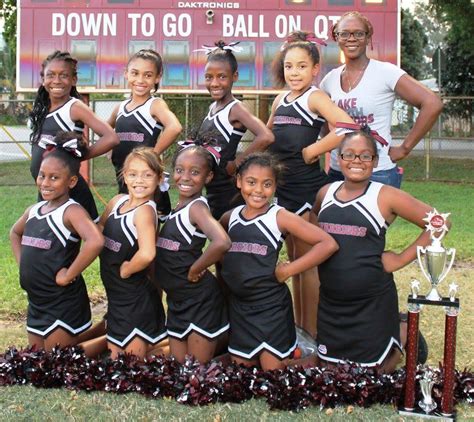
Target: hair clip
213,150
309,38
343,128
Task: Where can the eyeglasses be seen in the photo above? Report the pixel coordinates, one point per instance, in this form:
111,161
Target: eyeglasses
345,35
144,176
350,156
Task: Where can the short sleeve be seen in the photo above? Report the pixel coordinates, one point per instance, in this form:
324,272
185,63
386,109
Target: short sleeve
392,74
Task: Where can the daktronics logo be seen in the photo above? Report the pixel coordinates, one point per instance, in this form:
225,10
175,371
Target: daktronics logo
208,5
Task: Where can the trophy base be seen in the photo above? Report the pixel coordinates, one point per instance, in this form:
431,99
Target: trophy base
433,295
419,413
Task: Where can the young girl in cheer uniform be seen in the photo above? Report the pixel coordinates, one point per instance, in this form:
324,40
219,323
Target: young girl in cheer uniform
143,120
262,328
296,119
197,314
358,307
46,242
135,317
226,122
57,107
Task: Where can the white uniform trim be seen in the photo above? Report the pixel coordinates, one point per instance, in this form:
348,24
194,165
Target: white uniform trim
139,333
391,343
59,323
142,114
222,122
205,333
263,346
183,222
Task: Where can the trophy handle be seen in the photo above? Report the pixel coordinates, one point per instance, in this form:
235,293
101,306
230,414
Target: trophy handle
451,252
419,251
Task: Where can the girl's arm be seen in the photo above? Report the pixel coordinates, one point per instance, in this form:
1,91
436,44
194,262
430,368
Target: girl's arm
323,245
16,233
171,126
108,138
430,107
145,222
320,103
263,136
107,211
201,217
395,202
113,117
274,107
77,220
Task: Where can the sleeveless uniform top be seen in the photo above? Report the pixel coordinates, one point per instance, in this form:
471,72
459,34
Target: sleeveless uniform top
179,245
55,121
120,245
295,127
358,308
359,228
218,126
134,128
47,245
249,265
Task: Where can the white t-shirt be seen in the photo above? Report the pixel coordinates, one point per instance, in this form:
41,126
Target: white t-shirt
370,102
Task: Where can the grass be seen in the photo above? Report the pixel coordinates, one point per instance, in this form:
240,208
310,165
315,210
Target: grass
24,403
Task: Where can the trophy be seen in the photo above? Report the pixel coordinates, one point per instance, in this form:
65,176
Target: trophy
435,263
434,257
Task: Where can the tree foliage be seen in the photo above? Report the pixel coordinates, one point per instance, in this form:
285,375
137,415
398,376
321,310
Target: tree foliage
413,43
7,70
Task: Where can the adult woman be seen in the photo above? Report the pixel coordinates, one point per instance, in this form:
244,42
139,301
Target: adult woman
366,89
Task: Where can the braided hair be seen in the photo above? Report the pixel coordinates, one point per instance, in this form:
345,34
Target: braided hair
42,101
297,39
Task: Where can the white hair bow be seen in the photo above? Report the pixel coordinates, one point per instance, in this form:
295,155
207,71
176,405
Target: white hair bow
70,146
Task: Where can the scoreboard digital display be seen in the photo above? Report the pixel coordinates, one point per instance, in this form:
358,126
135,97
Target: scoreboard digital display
102,34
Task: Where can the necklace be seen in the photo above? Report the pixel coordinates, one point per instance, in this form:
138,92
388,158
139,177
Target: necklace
353,84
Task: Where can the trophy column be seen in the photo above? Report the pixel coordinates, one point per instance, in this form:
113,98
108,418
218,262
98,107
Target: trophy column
411,356
449,358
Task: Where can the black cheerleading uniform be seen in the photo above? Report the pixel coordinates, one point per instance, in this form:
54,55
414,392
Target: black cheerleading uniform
47,246
138,128
260,307
358,304
134,304
295,127
56,121
222,193
192,307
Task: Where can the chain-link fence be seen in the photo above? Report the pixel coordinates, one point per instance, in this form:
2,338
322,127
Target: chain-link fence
446,154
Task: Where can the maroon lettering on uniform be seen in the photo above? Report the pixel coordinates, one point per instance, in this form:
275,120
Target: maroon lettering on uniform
168,244
343,229
131,136
112,245
287,120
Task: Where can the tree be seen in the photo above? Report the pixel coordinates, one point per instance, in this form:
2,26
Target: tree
7,70
458,78
413,43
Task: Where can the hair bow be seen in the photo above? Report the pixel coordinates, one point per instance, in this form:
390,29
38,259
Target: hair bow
342,128
69,146
208,49
213,150
309,38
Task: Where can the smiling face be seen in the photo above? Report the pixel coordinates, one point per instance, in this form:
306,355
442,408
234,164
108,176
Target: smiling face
191,173
357,170
58,80
257,186
299,69
142,76
218,78
55,180
353,47
140,179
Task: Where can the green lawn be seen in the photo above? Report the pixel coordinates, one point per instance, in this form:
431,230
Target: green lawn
26,403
